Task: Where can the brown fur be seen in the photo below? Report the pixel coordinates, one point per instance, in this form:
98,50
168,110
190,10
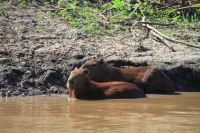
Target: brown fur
152,79
81,87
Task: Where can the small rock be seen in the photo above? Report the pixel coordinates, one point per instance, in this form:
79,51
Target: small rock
25,64
16,93
27,83
79,56
20,54
5,60
39,82
30,89
53,77
28,74
54,89
23,38
23,95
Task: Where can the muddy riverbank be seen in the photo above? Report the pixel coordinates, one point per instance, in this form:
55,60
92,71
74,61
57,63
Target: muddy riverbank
38,50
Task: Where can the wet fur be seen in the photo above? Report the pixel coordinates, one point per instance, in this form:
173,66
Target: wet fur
152,79
81,87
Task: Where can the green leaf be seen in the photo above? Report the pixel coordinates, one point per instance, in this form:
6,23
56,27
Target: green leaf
175,18
198,4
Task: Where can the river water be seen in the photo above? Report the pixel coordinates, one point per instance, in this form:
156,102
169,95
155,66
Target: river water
54,114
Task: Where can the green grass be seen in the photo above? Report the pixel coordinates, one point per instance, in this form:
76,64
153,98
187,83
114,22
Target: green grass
2,11
43,23
112,17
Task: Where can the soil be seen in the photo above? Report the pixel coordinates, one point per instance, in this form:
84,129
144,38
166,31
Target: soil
38,50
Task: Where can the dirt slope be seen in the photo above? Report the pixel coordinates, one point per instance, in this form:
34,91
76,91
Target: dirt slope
38,51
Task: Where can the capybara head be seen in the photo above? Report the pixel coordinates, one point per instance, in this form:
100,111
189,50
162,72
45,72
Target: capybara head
97,69
77,81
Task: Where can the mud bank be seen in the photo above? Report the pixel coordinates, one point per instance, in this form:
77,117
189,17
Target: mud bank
38,51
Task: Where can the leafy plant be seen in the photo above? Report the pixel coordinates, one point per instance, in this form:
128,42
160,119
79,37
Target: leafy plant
2,11
22,3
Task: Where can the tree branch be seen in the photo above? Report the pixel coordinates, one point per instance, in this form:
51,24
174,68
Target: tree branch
160,35
187,7
170,39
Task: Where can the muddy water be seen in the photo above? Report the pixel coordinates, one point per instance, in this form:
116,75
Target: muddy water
45,114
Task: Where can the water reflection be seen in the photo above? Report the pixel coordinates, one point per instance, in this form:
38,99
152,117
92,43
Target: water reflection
132,115
157,113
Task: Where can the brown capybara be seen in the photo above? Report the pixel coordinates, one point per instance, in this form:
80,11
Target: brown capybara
151,79
81,87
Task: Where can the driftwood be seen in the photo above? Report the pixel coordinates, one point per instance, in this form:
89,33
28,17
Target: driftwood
162,37
169,38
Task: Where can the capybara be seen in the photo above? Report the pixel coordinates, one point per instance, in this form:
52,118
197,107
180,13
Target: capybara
81,87
150,78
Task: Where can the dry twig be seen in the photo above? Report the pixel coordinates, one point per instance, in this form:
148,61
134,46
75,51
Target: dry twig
169,38
104,17
186,7
161,39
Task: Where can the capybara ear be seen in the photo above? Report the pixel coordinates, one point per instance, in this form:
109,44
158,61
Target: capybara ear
86,71
101,61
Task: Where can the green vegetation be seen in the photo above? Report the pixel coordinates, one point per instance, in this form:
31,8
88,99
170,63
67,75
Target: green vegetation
42,23
23,28
2,11
99,17
115,15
